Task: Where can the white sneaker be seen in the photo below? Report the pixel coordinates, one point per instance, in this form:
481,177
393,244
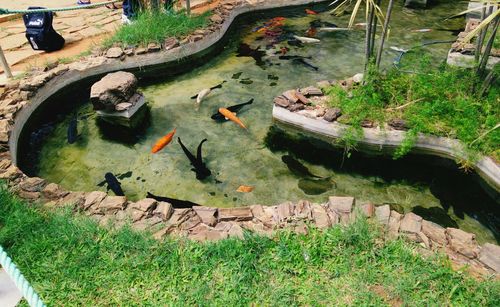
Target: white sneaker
125,20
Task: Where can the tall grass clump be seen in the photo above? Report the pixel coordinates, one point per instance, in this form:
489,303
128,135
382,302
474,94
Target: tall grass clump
432,100
155,27
71,261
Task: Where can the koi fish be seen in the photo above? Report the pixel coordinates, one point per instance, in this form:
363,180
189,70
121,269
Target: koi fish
244,189
163,141
421,30
310,12
230,115
311,32
176,203
204,92
397,49
306,40
235,109
113,184
333,29
72,130
199,166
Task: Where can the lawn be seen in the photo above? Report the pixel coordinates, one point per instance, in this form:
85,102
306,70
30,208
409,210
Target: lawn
72,261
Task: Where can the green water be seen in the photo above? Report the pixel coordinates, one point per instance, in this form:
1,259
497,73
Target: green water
235,156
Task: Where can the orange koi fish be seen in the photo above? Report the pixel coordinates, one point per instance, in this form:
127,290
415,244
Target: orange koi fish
163,142
311,12
278,19
231,116
245,189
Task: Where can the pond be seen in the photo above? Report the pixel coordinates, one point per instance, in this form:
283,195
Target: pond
278,171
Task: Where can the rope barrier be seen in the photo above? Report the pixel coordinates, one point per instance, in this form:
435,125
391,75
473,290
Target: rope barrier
58,9
21,283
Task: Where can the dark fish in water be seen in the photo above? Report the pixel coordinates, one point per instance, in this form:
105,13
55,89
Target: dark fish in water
199,167
293,57
272,77
295,42
244,50
435,214
235,109
296,167
124,175
208,90
316,186
176,203
246,81
273,84
113,184
303,62
236,75
73,130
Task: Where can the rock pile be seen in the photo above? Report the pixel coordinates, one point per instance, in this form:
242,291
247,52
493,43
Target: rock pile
115,92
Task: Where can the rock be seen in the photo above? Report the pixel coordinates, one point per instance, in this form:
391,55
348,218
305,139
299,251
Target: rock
32,184
357,78
281,101
140,51
321,84
283,212
383,214
54,191
207,215
302,210
113,89
257,227
215,18
236,231
154,47
368,209
434,232
411,223
171,43
144,205
75,199
203,232
295,107
394,223
4,164
314,91
146,223
490,256
320,216
301,97
424,239
332,114
235,214
366,123
5,128
93,199
263,214
195,38
112,204
291,96
114,52
129,51
341,204
164,210
123,106
190,222
398,124
28,195
462,242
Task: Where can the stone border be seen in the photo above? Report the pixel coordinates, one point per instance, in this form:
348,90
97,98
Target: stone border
21,99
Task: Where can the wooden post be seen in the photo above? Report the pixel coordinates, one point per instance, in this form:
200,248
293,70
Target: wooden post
5,65
188,7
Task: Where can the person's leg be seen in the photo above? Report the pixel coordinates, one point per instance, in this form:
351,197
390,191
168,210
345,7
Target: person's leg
128,12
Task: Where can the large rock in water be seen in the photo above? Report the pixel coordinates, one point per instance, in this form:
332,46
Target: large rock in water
113,89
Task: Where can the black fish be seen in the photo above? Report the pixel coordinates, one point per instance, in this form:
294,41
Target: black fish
244,50
236,75
176,203
113,184
293,57
318,24
296,167
295,42
435,214
199,167
220,118
303,62
212,88
316,186
73,130
246,81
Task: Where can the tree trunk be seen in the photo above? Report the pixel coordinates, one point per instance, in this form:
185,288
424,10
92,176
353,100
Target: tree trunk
482,34
369,23
489,45
374,31
384,33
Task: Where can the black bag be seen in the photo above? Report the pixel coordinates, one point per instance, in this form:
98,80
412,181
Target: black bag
39,31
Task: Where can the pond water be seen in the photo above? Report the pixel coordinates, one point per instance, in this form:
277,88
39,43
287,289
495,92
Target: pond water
256,157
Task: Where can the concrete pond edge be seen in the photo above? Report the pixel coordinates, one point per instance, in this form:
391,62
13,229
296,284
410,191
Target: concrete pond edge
21,99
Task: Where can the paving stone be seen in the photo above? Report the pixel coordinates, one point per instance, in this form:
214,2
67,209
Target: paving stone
207,215
13,41
320,216
411,223
235,214
490,256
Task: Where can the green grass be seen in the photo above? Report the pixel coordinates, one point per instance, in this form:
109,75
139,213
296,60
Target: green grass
156,27
71,261
441,101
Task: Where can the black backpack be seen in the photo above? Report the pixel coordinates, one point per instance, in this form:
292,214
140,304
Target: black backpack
39,31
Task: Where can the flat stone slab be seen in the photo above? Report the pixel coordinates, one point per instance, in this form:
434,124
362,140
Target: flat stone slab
235,214
490,255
